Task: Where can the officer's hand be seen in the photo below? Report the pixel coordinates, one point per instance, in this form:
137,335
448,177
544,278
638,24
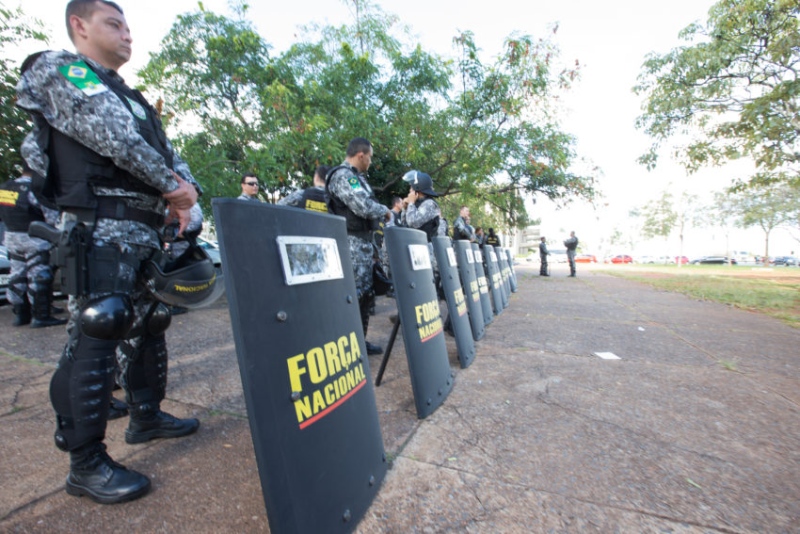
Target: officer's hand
184,197
184,217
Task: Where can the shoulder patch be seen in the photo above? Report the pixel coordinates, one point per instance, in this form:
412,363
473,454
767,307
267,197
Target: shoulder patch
355,184
84,78
137,109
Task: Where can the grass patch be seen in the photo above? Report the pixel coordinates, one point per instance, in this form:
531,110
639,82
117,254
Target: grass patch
774,292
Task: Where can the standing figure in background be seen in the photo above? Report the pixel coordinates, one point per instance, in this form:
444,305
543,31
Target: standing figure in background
311,198
492,239
571,243
30,284
349,195
249,187
543,253
461,226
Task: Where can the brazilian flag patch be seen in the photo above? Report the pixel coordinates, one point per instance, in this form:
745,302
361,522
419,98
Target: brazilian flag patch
355,185
84,78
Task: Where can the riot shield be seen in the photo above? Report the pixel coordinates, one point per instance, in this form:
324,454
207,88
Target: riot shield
420,318
466,268
503,266
512,278
302,359
499,300
456,303
483,285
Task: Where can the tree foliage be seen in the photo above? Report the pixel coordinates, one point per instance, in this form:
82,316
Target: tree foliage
766,207
485,132
733,91
14,30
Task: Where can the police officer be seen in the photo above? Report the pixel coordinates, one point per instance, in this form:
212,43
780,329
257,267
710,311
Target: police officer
461,226
350,196
311,198
543,253
111,170
492,239
421,210
30,284
249,183
571,243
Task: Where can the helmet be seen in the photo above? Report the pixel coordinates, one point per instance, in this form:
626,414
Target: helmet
190,281
421,182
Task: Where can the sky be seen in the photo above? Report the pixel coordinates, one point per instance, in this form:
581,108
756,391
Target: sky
609,38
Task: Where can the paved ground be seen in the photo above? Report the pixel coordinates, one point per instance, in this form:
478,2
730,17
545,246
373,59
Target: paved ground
695,429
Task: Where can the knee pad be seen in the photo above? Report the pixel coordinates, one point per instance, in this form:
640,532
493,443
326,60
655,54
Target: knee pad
107,318
43,276
158,320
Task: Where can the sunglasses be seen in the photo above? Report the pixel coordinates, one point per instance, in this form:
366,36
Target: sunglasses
251,183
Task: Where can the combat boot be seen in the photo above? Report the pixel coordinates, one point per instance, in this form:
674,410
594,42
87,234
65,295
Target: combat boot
22,314
93,473
41,311
148,423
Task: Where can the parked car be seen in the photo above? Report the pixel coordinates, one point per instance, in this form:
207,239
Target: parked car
622,258
786,261
558,255
5,270
585,258
212,249
713,260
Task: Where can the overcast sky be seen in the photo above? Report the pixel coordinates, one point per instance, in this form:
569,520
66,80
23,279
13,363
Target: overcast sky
610,39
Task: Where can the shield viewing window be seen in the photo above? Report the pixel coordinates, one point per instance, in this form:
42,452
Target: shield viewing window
420,257
309,259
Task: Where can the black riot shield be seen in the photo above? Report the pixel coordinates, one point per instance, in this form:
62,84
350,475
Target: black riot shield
421,320
502,263
512,278
499,302
456,302
483,285
466,268
302,358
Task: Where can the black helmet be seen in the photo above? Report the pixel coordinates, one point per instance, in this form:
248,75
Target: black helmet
421,182
190,281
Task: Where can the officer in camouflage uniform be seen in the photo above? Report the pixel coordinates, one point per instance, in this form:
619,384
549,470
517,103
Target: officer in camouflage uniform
421,210
110,170
350,196
30,282
311,198
462,228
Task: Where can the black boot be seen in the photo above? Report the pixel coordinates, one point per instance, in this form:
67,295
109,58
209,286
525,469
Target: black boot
117,410
22,314
93,473
41,311
148,422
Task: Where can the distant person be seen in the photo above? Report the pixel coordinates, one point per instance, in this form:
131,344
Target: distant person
249,188
480,237
492,239
30,282
397,212
461,226
543,253
311,198
571,243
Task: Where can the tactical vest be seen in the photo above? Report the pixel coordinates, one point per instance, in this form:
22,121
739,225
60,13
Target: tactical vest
314,200
355,225
15,210
492,240
75,169
431,228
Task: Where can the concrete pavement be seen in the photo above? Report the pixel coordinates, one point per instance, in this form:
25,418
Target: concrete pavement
694,429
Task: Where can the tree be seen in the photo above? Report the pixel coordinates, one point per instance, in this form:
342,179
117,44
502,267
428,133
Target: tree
765,206
733,92
14,29
485,132
663,215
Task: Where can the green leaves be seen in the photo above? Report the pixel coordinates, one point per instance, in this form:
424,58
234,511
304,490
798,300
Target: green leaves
486,132
735,91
